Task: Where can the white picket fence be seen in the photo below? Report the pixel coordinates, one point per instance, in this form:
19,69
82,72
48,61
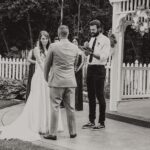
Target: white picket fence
135,80
135,77
13,68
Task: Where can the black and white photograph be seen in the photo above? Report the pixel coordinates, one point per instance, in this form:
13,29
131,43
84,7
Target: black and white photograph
74,74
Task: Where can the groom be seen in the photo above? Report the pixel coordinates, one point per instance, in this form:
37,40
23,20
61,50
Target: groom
60,62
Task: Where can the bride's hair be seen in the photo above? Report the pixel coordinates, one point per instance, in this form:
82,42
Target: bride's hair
39,43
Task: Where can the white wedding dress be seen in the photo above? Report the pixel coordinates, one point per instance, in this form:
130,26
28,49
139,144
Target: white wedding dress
35,117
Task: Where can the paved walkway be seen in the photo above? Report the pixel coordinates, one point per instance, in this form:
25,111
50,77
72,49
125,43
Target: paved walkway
135,107
116,136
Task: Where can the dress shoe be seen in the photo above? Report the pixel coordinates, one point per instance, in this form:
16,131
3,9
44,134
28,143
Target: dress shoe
88,125
50,137
73,135
100,126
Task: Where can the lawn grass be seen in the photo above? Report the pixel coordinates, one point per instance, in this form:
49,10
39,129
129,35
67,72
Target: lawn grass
16,144
7,103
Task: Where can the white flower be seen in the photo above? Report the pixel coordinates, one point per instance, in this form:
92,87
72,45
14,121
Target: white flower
135,19
138,12
142,28
145,24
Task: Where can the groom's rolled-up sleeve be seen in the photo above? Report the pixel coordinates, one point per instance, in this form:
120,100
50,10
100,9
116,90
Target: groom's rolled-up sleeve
48,63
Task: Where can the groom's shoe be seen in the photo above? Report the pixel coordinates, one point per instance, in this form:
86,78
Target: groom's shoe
73,135
50,137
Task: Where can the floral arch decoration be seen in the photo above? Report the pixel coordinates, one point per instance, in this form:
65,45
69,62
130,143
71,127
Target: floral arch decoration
141,20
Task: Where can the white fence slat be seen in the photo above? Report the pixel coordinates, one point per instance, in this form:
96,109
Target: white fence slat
128,79
132,79
135,5
144,2
17,65
10,67
123,79
124,5
13,72
3,61
6,68
136,78
144,80
125,82
24,67
148,80
147,4
21,66
127,5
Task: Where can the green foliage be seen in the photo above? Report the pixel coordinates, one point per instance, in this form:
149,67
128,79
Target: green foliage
15,144
22,20
12,89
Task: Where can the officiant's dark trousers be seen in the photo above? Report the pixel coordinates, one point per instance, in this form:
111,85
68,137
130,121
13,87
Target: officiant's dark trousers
95,87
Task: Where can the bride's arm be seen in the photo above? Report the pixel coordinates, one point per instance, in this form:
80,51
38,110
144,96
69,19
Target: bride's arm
30,60
48,63
38,58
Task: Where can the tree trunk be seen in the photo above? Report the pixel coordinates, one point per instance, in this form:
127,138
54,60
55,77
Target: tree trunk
30,30
74,24
62,13
2,30
79,5
5,41
101,3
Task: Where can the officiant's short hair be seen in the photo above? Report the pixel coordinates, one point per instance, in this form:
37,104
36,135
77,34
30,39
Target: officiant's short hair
96,22
63,30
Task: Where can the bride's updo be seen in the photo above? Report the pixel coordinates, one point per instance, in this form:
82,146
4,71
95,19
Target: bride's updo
43,33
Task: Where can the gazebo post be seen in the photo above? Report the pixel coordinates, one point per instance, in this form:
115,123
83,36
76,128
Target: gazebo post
115,85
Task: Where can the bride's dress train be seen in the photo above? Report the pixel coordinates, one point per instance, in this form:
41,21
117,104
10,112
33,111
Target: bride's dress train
35,117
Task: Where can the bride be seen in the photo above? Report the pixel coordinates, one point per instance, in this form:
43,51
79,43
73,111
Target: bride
35,118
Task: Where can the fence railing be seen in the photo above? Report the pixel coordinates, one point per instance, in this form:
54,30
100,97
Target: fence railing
13,68
135,80
130,6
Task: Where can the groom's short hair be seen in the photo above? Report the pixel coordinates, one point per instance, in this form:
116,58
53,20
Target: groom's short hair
63,31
